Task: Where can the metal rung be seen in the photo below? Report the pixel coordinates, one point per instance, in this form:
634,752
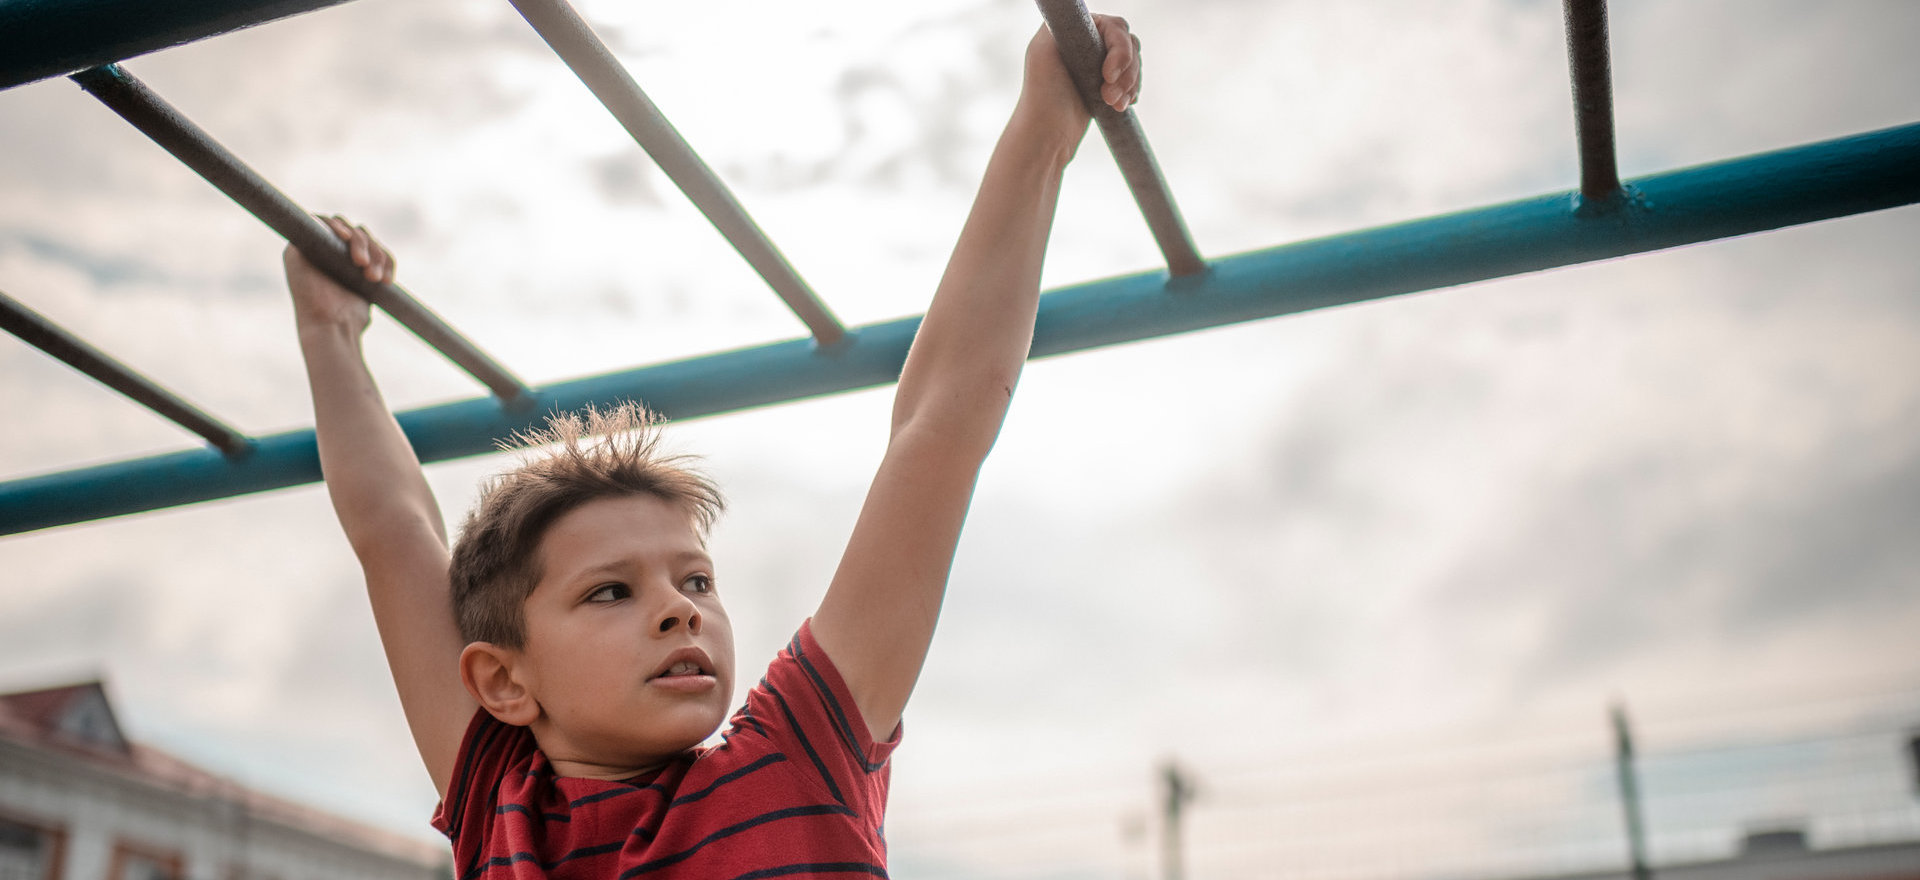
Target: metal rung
1081,47
1592,73
49,337
136,103
582,50
1867,172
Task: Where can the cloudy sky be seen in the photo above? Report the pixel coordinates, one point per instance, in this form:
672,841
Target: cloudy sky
1687,480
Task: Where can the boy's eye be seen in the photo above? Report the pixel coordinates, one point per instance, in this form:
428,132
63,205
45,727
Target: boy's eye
609,593
699,583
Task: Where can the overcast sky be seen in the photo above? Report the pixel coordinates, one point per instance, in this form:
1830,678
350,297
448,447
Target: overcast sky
1684,479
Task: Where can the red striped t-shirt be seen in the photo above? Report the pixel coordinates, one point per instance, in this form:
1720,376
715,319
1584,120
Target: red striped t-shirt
797,788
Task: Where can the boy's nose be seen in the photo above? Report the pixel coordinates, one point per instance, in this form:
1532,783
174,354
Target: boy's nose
680,612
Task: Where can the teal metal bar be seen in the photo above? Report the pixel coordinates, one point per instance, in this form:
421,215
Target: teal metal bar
43,38
1851,175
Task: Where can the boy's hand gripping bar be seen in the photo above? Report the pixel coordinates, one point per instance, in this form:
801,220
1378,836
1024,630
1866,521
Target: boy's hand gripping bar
1084,53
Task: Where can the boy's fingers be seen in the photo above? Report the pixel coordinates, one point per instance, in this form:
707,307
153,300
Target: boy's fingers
357,249
339,226
1133,76
1120,48
1124,90
383,262
366,253
374,260
1121,68
355,238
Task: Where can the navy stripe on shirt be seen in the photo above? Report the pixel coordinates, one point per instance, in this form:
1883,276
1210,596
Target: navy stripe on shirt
581,853
845,727
746,717
816,868
491,729
504,809
612,793
801,735
765,760
730,830
456,808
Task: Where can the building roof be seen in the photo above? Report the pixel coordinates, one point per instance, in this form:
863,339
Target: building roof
77,721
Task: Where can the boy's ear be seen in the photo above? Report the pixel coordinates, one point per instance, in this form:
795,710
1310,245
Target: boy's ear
488,672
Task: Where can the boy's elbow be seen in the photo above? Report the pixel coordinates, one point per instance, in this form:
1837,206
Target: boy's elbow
379,538
961,422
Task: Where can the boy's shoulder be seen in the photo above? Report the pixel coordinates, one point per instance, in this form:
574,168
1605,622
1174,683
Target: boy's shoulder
793,782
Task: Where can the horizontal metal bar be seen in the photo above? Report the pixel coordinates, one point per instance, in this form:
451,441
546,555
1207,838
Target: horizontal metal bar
607,78
45,38
1085,53
1867,172
177,134
1592,74
51,338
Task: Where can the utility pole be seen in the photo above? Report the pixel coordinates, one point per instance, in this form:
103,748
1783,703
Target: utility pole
1913,753
1179,790
1630,794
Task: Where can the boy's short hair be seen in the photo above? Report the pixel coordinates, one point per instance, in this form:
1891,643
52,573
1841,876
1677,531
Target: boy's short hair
496,560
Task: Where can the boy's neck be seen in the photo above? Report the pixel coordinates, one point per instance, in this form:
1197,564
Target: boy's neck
573,768
570,761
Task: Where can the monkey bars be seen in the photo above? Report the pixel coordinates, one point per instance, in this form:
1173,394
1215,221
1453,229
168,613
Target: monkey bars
1851,175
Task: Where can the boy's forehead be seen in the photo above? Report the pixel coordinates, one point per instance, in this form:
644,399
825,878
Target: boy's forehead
621,531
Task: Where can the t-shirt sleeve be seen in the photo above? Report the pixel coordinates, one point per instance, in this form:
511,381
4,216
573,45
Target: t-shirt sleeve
804,709
487,751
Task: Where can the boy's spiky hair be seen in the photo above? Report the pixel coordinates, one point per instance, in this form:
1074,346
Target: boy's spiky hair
598,454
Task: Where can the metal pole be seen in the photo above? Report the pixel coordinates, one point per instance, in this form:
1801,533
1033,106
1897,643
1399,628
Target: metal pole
1083,51
1630,794
1913,758
1850,175
582,50
49,337
157,119
43,38
1587,55
1178,790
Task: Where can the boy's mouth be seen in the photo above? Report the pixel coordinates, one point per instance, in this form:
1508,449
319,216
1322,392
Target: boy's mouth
683,663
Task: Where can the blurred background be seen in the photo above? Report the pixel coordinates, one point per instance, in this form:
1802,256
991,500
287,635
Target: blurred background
1353,593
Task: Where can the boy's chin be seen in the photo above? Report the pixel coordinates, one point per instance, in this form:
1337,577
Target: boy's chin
681,735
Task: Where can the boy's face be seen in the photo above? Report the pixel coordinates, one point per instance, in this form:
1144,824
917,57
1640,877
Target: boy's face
628,651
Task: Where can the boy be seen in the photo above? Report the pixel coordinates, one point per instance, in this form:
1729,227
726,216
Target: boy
560,667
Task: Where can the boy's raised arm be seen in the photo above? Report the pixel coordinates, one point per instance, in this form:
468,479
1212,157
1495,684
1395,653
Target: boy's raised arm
878,616
383,502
